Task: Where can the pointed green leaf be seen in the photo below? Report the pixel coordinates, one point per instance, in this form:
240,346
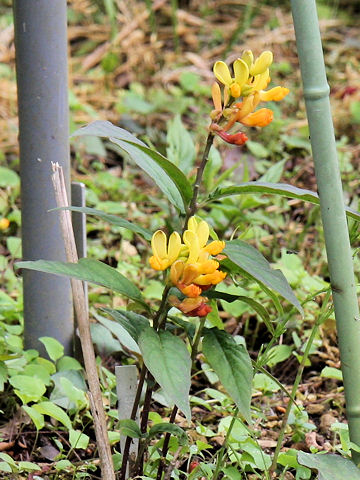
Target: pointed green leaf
281,189
54,348
29,389
168,360
169,428
249,260
88,270
329,466
5,467
119,332
78,439
132,322
129,428
52,410
169,178
36,417
113,219
232,364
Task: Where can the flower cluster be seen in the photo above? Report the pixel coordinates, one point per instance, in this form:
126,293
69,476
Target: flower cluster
192,270
251,77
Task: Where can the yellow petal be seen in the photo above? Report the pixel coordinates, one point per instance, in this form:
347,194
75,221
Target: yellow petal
216,96
158,244
226,95
262,63
158,264
203,232
248,58
260,118
261,81
192,224
191,290
241,71
276,94
235,90
215,247
174,247
208,267
176,271
211,278
192,242
245,107
190,272
222,73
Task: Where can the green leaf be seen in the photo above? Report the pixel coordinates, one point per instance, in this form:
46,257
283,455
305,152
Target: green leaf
4,456
273,174
129,428
249,260
29,466
74,394
5,467
278,354
63,465
281,189
168,360
65,393
331,372
170,179
36,417
53,347
88,270
232,364
169,428
329,466
29,389
78,439
181,148
8,178
132,322
105,343
68,363
113,219
52,410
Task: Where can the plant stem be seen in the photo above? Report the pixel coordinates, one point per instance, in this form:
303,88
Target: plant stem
200,171
194,351
160,314
224,445
324,314
162,310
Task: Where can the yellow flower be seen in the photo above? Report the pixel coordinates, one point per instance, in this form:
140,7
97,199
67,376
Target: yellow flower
259,77
241,72
261,64
202,231
4,223
197,272
165,253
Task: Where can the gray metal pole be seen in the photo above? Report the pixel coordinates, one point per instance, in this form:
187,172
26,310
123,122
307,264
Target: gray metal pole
41,66
316,93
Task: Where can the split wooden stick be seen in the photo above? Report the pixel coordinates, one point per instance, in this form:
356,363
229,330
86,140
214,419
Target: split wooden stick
82,317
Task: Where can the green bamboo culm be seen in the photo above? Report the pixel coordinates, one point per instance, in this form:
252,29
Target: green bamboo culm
316,93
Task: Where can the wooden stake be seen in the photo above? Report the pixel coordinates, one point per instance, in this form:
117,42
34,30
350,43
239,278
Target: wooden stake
82,317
